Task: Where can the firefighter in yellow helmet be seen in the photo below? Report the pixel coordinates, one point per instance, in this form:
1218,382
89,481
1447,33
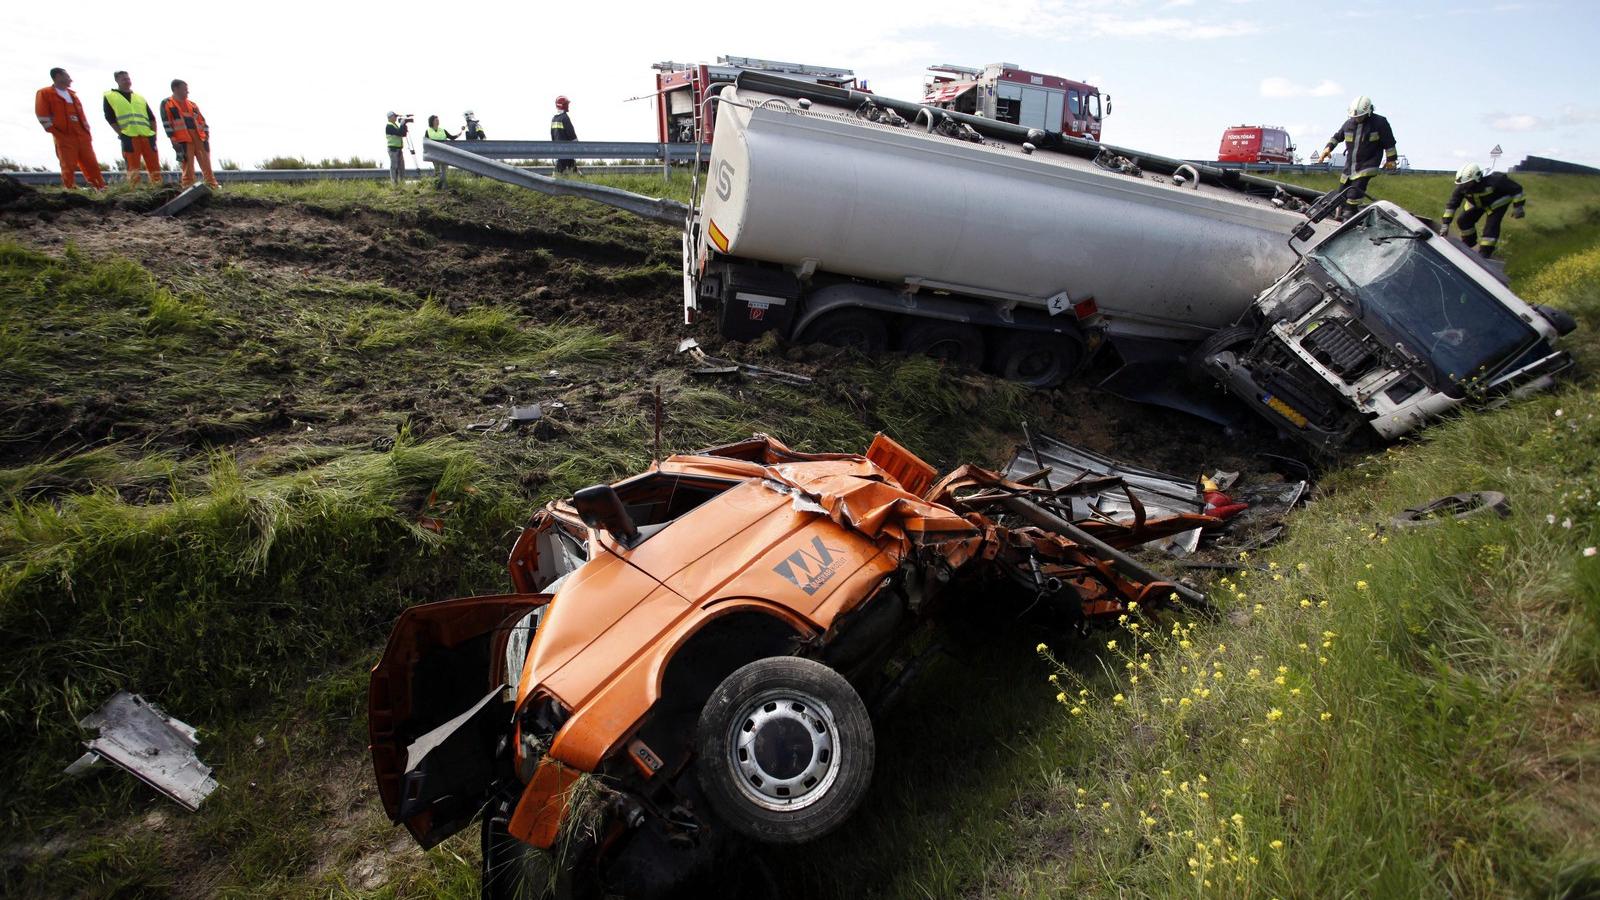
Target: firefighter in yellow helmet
1370,148
1485,196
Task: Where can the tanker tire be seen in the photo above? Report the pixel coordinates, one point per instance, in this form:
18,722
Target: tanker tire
952,342
796,722
856,329
1232,337
1035,358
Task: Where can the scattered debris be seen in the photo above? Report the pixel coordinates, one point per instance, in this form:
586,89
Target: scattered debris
1455,506
712,365
1104,489
518,417
183,201
160,750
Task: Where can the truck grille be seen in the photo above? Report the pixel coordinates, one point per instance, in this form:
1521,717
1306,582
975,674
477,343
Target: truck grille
1343,346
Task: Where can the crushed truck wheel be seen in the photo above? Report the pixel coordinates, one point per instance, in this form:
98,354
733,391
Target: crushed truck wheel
1234,337
858,329
953,342
785,750
1036,359
1467,504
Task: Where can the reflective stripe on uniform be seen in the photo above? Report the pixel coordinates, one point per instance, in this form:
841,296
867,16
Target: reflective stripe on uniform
1503,201
1365,173
131,119
46,121
1488,242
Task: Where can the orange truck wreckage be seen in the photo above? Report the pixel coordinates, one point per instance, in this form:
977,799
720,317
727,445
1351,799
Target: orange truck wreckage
691,653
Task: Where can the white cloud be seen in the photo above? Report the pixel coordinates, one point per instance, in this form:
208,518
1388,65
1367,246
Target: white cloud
1280,88
1515,122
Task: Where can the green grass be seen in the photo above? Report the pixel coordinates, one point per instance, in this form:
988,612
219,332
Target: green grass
1460,683
1434,734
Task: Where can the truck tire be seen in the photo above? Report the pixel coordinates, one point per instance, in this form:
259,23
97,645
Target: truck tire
857,329
953,342
785,750
1232,337
1035,358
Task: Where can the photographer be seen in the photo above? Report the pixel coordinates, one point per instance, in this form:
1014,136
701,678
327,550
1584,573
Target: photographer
394,135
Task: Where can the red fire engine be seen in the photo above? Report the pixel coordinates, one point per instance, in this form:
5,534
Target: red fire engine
681,89
1007,93
1255,144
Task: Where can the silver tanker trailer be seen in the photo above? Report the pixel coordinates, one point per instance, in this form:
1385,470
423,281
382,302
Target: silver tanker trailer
837,216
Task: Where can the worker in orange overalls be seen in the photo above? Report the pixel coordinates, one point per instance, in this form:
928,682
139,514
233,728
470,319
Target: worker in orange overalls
61,113
129,115
186,128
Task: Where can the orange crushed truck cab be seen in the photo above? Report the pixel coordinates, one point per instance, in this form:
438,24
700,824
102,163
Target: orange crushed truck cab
697,643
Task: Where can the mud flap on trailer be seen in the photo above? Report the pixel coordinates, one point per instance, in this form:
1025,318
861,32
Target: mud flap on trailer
757,300
1154,372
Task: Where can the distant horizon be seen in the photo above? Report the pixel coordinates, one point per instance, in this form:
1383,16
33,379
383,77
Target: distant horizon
1454,81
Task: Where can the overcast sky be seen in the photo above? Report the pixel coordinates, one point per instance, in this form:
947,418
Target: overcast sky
314,79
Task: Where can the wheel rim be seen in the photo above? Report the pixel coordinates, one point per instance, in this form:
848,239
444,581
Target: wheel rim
1037,364
947,349
783,750
850,339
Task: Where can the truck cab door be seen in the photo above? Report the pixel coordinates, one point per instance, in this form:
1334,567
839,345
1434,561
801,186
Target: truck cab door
439,708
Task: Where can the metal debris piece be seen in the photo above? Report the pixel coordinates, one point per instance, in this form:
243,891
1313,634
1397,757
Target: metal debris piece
713,365
160,750
1455,506
183,201
1105,485
529,413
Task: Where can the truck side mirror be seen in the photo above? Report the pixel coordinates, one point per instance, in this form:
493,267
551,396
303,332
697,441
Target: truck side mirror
600,507
1107,99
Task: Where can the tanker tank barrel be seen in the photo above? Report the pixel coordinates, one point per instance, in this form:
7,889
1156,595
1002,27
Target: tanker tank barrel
1018,134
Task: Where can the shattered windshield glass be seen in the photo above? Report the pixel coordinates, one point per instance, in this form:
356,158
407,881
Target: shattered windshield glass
1439,309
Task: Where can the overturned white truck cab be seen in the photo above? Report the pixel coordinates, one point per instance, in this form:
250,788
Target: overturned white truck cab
842,217
1381,327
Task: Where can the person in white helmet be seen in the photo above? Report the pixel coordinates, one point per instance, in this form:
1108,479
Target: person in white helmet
473,130
1371,149
1485,196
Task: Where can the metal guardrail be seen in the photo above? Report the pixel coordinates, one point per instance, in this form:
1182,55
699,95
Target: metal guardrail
669,153
247,176
1307,168
667,212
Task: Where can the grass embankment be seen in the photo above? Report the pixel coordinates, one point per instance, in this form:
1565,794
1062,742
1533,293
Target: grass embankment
1373,712
247,587
233,539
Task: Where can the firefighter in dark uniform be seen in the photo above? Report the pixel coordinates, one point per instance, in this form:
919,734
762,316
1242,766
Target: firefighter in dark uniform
1370,149
1482,195
561,130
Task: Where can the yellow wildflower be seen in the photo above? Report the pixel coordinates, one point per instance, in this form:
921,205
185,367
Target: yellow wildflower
1041,648
1361,585
1276,845
1274,714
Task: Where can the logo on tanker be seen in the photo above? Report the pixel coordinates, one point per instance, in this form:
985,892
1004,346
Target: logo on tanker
810,567
724,179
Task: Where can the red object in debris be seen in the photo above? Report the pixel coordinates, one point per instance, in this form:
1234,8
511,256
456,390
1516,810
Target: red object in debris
1221,506
1255,144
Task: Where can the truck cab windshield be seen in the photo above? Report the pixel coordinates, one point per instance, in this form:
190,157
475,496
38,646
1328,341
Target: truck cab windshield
1439,310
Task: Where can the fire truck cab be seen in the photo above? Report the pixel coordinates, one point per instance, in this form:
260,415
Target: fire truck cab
1006,93
681,89
1255,144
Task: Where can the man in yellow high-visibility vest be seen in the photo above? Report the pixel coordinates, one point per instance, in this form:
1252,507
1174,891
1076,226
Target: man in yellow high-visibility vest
130,115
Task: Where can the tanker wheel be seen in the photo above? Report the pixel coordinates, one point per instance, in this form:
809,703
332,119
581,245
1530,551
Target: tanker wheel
857,329
1233,337
952,342
1035,358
